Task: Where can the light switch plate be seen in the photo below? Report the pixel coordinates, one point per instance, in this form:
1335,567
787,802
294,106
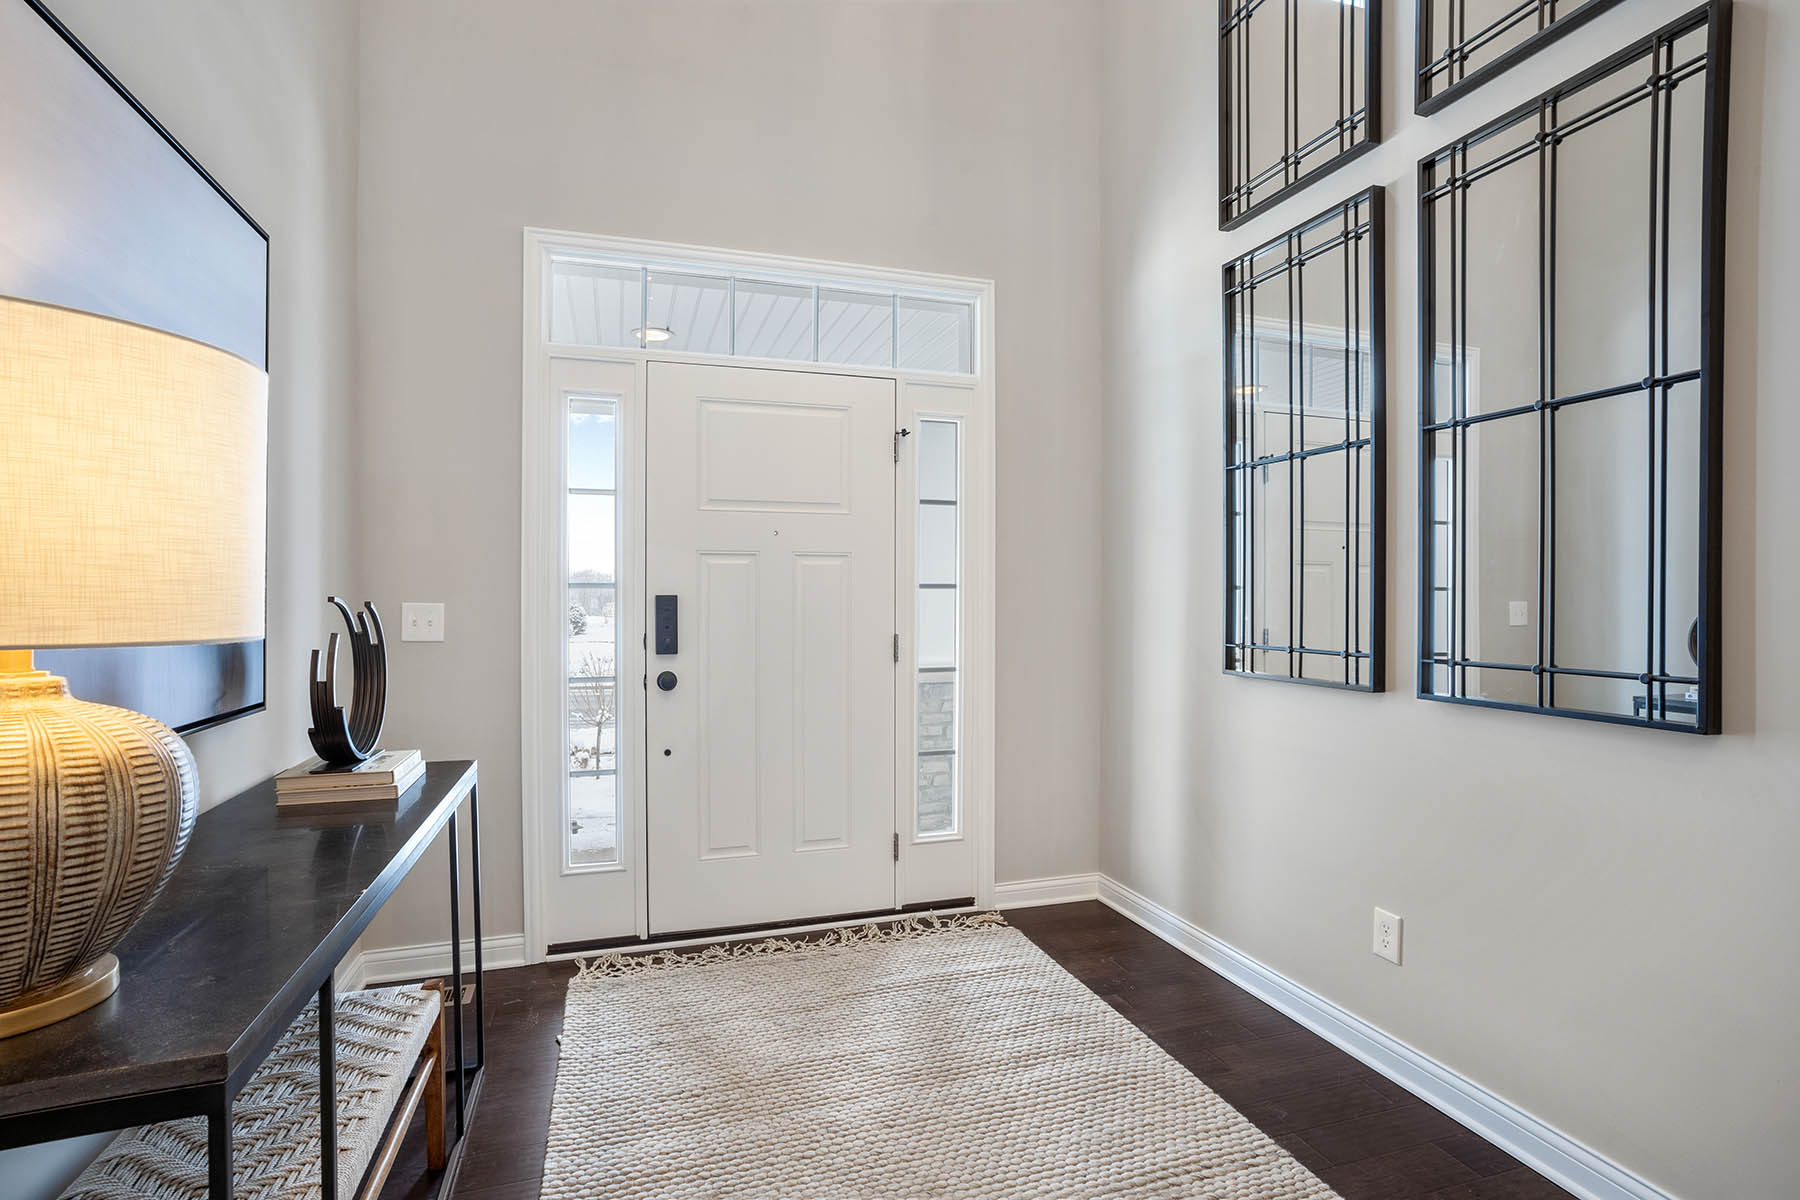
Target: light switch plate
1518,612
421,622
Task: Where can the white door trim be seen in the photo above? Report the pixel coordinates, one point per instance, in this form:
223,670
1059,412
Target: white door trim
968,398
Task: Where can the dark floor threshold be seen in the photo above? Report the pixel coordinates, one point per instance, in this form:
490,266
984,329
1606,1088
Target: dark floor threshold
650,943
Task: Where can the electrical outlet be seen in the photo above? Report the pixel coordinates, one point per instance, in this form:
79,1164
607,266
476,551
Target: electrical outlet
1387,935
421,622
1518,612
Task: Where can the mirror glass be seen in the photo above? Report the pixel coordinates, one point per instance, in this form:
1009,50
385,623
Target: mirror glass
1461,43
1567,411
1303,453
1296,85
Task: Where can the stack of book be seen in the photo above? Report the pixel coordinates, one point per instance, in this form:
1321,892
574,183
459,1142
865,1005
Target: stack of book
383,776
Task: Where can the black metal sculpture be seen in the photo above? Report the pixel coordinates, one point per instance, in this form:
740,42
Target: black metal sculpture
345,741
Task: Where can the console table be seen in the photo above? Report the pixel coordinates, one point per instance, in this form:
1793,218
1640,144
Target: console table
260,911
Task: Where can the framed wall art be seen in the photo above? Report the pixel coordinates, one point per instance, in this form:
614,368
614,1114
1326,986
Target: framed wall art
1462,44
104,212
1571,320
1299,96
1305,451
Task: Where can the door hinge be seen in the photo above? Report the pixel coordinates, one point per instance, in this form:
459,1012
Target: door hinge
898,434
896,847
896,647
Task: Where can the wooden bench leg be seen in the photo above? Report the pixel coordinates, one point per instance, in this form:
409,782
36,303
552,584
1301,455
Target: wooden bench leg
436,1152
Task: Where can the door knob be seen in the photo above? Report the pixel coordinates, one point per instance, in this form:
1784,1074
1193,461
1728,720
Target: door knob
666,681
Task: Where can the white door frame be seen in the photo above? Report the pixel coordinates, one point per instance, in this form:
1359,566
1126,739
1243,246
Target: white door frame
968,399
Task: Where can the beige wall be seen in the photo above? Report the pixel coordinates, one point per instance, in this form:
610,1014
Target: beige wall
1599,921
954,138
264,95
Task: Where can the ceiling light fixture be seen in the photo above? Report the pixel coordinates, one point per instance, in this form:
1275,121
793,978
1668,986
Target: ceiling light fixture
653,333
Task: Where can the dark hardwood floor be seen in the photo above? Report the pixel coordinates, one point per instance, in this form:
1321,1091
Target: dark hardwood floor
1368,1138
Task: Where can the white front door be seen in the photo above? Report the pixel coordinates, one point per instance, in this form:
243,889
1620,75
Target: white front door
770,729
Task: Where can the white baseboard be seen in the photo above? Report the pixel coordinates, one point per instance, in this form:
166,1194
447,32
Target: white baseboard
1549,1152
1056,889
398,963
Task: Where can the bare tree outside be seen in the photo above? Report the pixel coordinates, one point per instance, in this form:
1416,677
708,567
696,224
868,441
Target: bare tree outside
591,702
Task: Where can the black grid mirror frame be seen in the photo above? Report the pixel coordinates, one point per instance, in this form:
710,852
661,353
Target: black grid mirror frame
1324,420
1691,52
1344,46
1452,59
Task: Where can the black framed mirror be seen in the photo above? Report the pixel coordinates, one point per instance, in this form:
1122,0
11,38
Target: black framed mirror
1306,451
1299,96
1462,44
1571,300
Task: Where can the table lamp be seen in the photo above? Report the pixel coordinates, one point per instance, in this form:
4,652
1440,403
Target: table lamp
132,512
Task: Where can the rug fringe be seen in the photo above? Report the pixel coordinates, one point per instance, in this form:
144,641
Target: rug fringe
615,965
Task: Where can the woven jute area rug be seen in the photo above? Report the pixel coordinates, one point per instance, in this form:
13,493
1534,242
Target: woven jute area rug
934,1058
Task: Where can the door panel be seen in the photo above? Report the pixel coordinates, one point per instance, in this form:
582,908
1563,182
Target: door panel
730,782
823,701
806,469
770,514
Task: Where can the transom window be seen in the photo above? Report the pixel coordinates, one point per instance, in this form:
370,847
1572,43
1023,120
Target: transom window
701,309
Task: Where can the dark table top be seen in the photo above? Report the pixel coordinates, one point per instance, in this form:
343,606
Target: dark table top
262,906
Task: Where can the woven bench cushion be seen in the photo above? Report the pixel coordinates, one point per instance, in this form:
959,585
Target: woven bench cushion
275,1145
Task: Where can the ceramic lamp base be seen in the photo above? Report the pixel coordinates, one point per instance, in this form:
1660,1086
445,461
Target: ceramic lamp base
96,805
78,993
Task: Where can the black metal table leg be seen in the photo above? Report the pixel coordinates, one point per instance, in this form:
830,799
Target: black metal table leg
456,973
328,1130
218,1149
475,899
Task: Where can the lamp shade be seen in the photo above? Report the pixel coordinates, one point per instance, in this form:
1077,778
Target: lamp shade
132,484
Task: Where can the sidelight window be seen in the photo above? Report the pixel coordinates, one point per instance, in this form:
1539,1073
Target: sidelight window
591,602
938,799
